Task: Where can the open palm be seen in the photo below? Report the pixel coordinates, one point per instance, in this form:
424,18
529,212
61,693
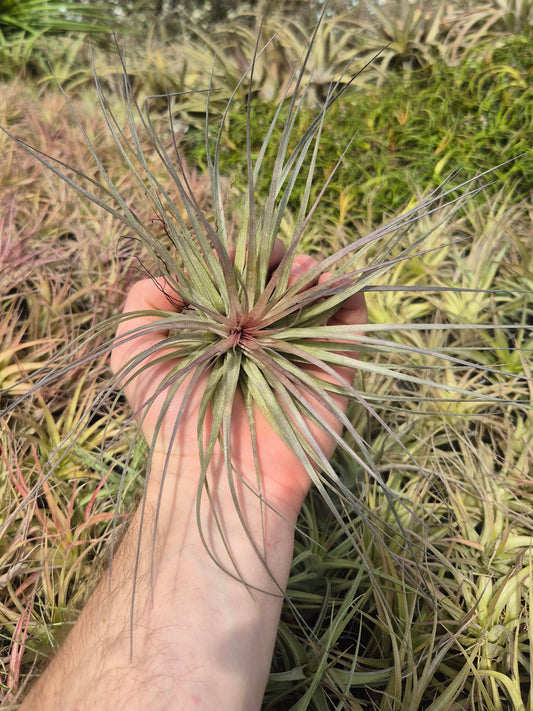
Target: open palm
274,457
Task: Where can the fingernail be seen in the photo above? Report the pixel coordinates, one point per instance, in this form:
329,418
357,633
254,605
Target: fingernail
297,270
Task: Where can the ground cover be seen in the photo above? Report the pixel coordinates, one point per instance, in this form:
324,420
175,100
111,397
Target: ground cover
438,616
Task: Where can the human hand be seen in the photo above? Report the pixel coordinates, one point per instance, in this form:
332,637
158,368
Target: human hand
284,480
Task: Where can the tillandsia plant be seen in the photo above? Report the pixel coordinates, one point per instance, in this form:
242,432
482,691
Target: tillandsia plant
239,318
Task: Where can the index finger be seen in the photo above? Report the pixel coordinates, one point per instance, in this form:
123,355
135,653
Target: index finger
146,295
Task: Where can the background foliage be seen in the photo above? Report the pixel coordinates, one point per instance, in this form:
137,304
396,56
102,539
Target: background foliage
441,623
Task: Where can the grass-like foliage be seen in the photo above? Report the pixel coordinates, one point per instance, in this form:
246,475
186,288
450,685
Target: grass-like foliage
249,331
35,17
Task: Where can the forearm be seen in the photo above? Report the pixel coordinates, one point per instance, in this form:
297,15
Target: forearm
195,637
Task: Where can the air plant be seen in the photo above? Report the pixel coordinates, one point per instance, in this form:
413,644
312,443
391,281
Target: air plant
476,22
410,33
249,329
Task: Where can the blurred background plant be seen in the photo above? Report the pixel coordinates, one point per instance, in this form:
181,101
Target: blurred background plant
441,623
34,17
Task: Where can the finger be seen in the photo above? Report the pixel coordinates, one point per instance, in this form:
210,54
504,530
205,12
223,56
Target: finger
301,264
152,295
276,255
352,312
146,295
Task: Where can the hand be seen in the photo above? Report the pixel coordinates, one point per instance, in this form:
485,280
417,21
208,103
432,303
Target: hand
275,458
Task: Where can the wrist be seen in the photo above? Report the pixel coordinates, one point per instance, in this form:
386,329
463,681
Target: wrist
230,529
175,480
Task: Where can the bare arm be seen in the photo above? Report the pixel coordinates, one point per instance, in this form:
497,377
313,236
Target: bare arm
201,639
197,638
